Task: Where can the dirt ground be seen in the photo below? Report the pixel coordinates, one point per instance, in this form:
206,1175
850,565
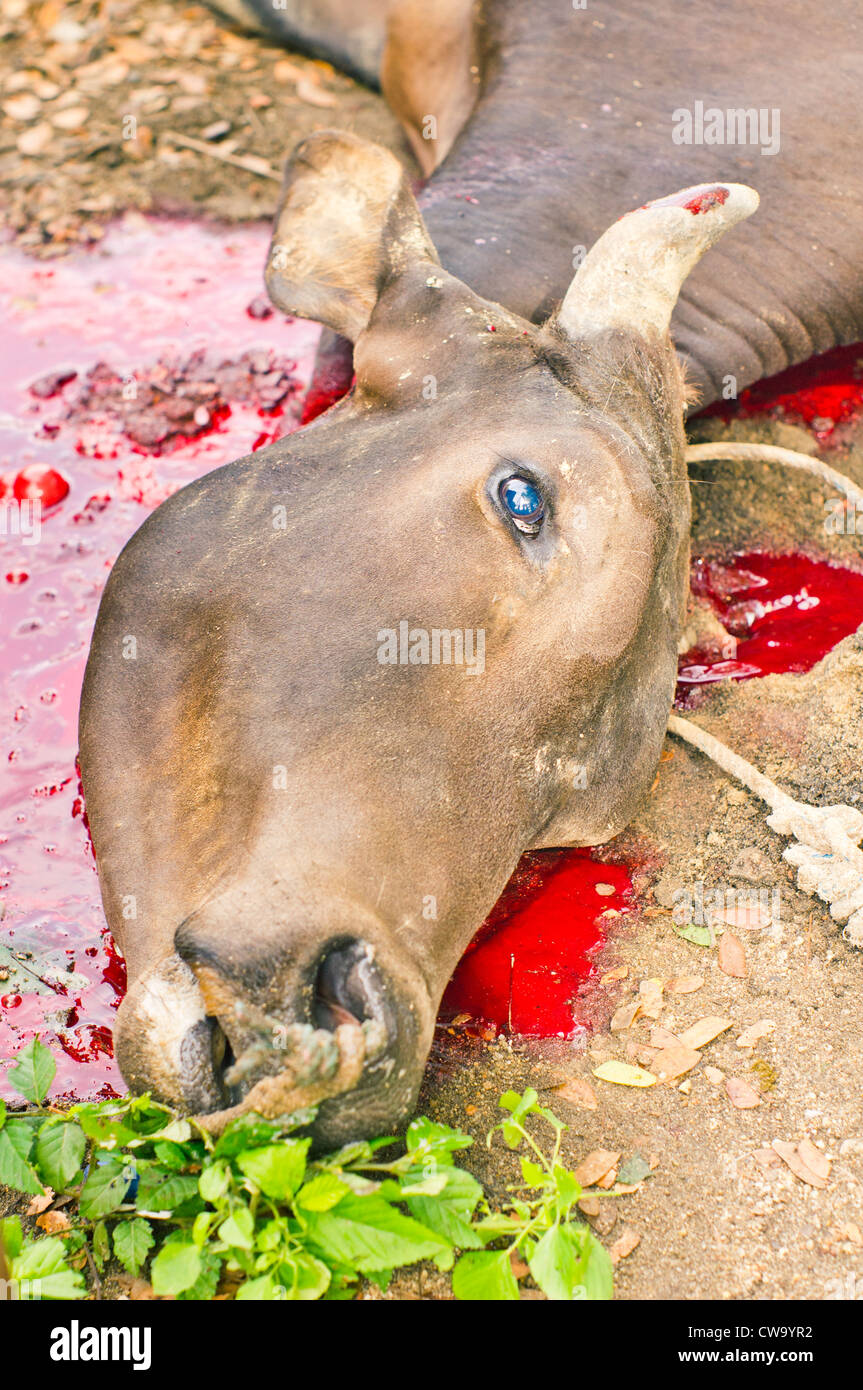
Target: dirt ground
721,1214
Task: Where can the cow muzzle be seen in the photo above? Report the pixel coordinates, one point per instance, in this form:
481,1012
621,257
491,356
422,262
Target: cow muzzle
218,1033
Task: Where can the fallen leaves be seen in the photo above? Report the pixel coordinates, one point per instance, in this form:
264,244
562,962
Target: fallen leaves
578,1091
704,1031
596,1166
731,956
741,1094
805,1161
684,984
751,1035
623,1074
671,1062
624,1245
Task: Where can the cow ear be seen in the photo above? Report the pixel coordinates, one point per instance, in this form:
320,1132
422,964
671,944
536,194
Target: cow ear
347,225
632,276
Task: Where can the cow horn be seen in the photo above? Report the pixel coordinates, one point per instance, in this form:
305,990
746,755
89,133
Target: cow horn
631,277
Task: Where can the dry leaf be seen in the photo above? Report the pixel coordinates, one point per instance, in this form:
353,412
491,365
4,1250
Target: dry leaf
139,1290
814,1159
578,1092
750,1036
53,1221
675,1061
624,1245
663,1037
39,1203
767,1158
704,1031
731,957
789,1153
750,915
684,984
595,1166
650,996
620,972
518,1267
741,1094
622,1074
625,1016
590,1206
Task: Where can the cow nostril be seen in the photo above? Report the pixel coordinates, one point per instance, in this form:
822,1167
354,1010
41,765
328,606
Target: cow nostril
347,988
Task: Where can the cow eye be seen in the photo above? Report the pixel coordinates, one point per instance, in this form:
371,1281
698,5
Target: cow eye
524,503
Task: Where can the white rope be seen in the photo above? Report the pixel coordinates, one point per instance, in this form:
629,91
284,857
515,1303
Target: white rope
771,453
826,854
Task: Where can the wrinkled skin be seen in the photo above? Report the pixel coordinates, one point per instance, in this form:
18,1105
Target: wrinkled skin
562,122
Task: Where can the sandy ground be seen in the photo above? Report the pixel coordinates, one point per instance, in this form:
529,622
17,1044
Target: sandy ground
721,1215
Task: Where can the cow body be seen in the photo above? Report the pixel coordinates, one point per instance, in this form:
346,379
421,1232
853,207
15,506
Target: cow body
308,814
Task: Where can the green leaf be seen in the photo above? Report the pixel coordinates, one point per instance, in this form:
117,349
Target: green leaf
105,1189
276,1169
247,1132
11,1236
427,1136
16,1139
449,1213
176,1267
633,1169
699,936
556,1263
163,1190
568,1189
2,1113
105,1127
207,1281
597,1278
101,1246
485,1276
265,1289
133,1240
533,1175
238,1229
172,1155
366,1233
34,1071
214,1181
322,1193
60,1150
303,1278
43,1263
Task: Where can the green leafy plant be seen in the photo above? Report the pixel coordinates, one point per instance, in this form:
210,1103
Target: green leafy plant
251,1211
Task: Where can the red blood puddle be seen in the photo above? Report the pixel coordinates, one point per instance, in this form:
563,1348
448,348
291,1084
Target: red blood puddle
786,612
159,312
823,393
524,968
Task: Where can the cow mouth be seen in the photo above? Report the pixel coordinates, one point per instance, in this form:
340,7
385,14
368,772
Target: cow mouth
261,1062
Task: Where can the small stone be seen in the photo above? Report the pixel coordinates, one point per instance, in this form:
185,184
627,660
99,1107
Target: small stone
605,890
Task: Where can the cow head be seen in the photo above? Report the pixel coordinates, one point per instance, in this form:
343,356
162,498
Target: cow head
390,654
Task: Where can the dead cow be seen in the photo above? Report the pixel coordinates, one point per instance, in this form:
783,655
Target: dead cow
300,816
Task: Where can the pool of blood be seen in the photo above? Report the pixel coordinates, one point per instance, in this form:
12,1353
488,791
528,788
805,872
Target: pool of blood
524,968
824,394
175,304
785,611
157,302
